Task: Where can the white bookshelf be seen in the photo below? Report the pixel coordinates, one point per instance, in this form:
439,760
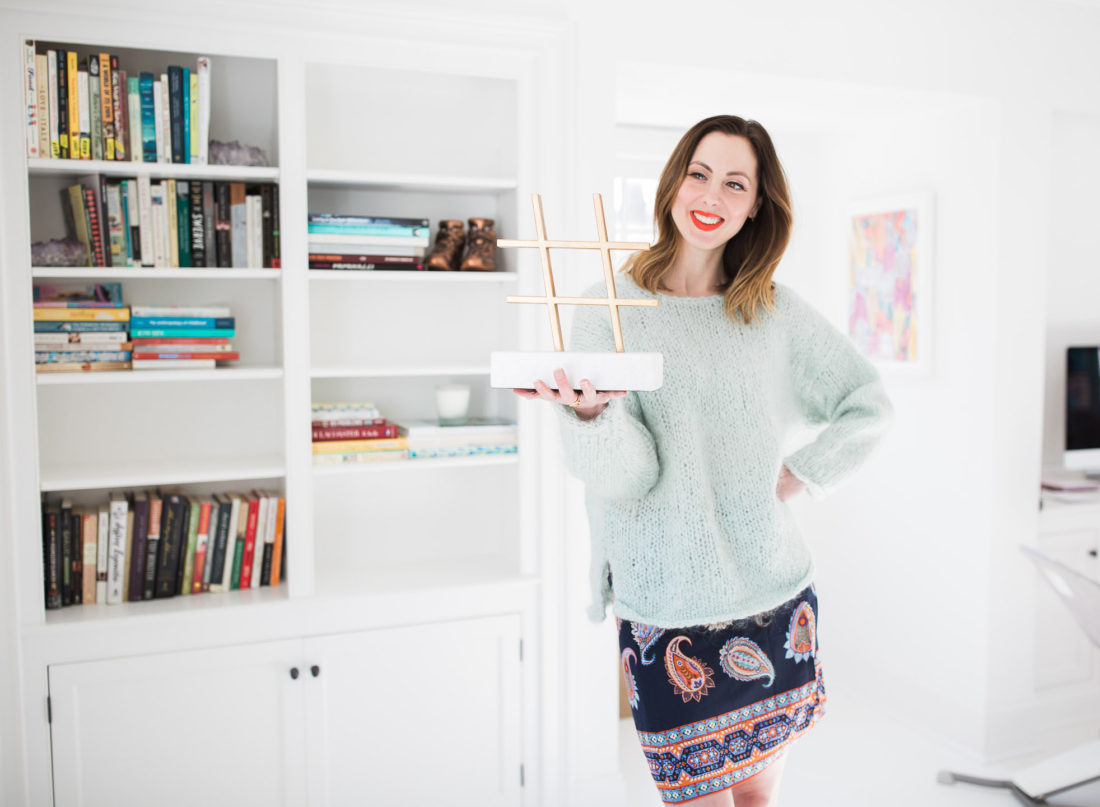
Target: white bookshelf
372,546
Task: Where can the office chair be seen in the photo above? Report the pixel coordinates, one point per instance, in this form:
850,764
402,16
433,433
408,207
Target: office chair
1078,766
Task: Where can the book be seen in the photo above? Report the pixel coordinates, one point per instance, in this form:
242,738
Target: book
238,225
129,555
172,364
90,539
76,219
72,77
78,327
52,555
147,94
240,532
169,550
219,535
145,333
322,433
43,357
341,410
116,236
202,538
42,104
197,231
65,526
165,155
85,367
348,422
52,90
159,223
63,102
280,538
227,539
356,457
335,257
267,233
103,537
176,357
211,540
84,115
318,241
365,267
184,537
120,109
94,89
180,311
245,567
152,545
261,538
141,321
107,106
210,249
223,225
82,314
95,223
461,451
347,446
30,97
276,228
76,535
253,229
185,115
138,553
194,524
340,219
116,547
344,252
193,115
203,71
183,222
136,118
340,231
158,118
82,341
171,210
76,295
145,220
131,244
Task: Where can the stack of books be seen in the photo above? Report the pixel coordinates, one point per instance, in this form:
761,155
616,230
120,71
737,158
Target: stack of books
81,329
345,433
89,107
366,242
174,223
182,337
143,545
480,436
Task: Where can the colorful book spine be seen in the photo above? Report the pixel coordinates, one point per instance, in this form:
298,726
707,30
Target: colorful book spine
103,536
280,538
107,106
138,554
31,80
52,89
202,539
323,434
249,544
90,536
152,546
62,85
185,115
95,99
193,116
146,87
42,103
84,114
51,561
121,111
188,560
74,104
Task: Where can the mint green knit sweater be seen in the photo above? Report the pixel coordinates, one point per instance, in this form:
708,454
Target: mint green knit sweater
681,481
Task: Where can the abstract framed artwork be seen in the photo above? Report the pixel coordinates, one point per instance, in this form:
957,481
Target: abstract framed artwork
890,281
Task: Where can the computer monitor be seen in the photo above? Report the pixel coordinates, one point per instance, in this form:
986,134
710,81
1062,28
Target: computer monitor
1083,409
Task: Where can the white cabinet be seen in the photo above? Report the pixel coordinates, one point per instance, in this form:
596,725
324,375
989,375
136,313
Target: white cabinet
393,716
420,715
212,727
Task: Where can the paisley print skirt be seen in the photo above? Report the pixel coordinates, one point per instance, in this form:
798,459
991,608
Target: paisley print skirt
714,705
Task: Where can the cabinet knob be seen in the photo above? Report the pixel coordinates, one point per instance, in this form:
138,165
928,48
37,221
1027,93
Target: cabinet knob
294,673
1093,553
315,670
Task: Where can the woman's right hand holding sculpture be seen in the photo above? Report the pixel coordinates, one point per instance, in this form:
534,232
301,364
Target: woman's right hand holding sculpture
587,402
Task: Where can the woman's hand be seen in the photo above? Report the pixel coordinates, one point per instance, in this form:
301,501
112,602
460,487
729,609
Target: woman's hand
788,485
587,402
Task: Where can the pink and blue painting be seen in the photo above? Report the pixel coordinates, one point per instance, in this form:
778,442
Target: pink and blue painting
885,290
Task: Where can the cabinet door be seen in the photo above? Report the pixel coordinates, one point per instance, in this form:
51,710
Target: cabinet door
416,715
210,727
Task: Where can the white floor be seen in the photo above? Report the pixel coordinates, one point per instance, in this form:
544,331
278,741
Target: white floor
855,758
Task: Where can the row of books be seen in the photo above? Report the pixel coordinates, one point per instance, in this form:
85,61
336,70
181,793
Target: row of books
90,328
148,544
91,108
338,241
348,433
174,223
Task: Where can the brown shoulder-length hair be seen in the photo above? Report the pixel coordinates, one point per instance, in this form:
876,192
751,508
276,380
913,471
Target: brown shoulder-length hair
751,257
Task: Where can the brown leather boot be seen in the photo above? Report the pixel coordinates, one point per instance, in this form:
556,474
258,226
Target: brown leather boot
481,252
448,245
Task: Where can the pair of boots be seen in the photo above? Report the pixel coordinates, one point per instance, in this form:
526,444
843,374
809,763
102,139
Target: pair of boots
481,251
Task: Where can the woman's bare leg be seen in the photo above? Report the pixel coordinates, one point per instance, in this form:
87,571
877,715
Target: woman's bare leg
761,790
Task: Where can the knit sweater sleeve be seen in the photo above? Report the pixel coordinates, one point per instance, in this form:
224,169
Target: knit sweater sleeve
614,454
835,386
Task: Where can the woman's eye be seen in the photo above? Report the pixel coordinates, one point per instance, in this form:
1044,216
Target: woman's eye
697,175
736,185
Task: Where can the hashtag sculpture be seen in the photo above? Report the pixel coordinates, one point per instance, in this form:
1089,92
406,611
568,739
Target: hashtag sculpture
607,371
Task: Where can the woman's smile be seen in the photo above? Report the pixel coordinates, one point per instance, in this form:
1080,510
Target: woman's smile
706,221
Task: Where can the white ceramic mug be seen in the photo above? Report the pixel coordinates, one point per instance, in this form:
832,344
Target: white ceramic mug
452,402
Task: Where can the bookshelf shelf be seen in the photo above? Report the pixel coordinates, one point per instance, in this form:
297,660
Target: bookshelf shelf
122,168
148,473
450,463
162,376
353,276
396,372
81,616
122,273
408,182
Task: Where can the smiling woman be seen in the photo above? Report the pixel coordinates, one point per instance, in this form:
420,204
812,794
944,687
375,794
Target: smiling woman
694,546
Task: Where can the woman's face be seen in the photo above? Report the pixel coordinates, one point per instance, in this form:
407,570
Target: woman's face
718,192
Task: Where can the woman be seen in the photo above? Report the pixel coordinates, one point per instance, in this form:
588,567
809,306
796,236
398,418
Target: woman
693,541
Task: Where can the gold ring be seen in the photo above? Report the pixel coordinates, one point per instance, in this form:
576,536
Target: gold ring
575,403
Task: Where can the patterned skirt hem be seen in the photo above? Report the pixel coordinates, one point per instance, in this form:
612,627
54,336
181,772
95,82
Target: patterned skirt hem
702,758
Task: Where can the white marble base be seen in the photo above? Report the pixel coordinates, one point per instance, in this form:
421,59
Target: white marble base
606,371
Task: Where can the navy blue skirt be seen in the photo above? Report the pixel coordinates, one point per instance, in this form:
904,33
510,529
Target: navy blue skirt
716,705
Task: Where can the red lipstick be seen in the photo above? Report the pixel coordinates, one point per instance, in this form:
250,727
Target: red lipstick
695,215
